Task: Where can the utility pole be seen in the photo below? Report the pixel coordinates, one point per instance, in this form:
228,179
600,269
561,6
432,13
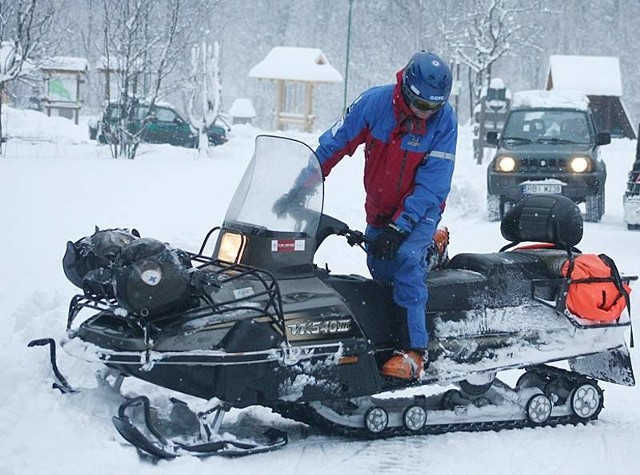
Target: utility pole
346,67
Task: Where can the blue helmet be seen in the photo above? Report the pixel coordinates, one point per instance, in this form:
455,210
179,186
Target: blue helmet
426,81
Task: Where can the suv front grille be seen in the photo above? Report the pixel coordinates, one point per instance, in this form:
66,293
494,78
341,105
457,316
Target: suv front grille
544,163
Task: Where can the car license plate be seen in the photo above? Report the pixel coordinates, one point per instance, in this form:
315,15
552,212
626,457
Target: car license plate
530,189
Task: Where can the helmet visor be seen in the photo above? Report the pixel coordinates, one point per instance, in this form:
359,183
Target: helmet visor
420,103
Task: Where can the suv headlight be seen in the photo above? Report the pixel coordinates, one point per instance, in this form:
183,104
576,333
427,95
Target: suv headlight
579,164
505,164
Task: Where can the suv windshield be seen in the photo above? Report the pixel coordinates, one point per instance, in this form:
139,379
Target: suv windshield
279,165
548,125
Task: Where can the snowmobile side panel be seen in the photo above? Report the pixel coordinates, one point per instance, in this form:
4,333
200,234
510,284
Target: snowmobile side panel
452,290
613,366
371,303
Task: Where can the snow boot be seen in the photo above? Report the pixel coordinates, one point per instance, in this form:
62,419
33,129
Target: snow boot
404,365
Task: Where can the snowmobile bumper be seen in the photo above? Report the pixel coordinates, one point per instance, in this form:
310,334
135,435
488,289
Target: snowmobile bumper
60,383
613,366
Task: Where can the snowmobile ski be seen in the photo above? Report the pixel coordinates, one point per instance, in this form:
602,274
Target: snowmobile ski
205,441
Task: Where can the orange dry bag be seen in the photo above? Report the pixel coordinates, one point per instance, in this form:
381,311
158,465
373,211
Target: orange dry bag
596,291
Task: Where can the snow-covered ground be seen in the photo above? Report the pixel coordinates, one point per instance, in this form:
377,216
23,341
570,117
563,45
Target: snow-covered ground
56,185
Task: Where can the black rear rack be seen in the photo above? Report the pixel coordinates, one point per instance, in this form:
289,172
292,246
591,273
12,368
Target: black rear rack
265,300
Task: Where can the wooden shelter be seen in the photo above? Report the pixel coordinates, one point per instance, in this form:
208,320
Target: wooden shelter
296,71
63,77
599,78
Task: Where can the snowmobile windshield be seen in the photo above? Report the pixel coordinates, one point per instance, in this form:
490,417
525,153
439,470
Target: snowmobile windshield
281,190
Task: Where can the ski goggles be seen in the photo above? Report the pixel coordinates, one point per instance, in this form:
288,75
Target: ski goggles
421,104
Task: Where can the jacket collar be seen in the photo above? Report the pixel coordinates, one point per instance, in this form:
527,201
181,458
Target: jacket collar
406,121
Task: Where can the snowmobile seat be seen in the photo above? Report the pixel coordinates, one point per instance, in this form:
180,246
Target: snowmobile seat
508,274
455,289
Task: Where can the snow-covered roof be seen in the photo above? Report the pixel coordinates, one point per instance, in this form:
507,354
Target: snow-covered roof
497,83
549,99
242,108
296,64
594,75
65,63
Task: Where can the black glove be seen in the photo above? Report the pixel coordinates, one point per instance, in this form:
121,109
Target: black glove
296,197
386,244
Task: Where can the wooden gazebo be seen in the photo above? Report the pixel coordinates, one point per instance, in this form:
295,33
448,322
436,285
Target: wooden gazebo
295,71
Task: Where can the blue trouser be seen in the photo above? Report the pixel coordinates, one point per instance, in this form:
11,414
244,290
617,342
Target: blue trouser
407,272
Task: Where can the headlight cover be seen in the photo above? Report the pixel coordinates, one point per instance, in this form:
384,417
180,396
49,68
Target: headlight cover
505,164
579,164
231,247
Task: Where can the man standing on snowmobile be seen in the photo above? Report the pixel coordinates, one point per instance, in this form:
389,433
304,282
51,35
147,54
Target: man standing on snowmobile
409,131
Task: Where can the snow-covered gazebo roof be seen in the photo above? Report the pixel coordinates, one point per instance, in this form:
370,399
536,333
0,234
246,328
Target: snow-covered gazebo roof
296,64
71,64
593,75
302,68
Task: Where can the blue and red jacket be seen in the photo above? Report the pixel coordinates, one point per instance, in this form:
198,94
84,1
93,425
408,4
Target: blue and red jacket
409,162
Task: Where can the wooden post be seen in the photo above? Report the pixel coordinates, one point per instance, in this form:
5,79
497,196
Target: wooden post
308,107
280,94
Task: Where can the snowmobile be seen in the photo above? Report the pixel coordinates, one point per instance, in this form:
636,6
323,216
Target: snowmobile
256,322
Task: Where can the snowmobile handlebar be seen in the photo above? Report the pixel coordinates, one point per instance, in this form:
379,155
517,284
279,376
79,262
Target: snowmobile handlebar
330,226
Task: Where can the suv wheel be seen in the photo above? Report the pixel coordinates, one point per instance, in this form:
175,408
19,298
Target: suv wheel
594,208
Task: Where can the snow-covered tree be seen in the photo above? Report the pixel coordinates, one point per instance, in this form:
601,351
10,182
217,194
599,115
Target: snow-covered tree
205,86
24,29
487,31
140,49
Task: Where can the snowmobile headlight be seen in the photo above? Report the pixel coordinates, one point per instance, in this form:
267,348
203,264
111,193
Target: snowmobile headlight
506,164
579,164
231,247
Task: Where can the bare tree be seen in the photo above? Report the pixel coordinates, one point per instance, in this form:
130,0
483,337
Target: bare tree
24,28
489,30
140,48
205,89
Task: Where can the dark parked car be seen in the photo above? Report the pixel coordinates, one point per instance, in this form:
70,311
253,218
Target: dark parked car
163,125
549,144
